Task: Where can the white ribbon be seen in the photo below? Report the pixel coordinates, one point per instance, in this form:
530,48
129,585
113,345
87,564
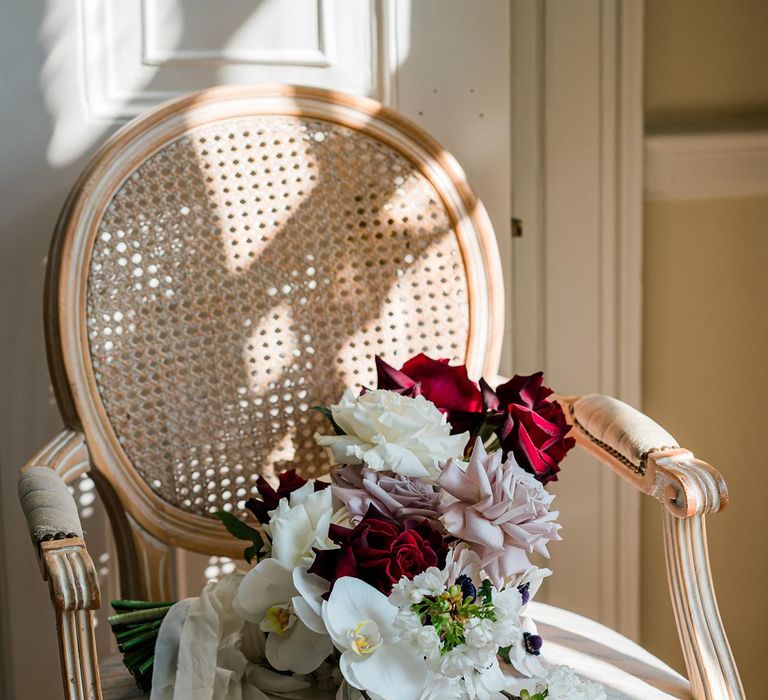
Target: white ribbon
204,651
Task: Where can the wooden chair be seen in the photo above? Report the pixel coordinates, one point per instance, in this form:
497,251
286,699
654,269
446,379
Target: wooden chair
236,256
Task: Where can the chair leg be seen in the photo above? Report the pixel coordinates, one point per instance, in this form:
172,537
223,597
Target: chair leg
77,650
708,657
75,595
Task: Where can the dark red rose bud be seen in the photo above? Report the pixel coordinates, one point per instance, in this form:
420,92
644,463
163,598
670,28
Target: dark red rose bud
446,386
529,425
380,551
289,480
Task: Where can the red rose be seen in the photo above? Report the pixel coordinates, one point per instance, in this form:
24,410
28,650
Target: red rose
446,386
290,481
380,551
530,426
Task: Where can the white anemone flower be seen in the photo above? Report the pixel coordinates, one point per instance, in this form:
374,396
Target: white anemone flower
529,582
299,523
390,432
296,638
524,653
360,621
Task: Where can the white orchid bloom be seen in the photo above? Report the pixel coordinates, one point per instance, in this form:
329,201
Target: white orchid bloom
299,523
360,621
390,432
295,633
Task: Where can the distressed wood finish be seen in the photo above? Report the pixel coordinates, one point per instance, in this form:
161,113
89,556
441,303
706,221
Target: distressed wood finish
642,452
71,575
75,594
69,354
66,454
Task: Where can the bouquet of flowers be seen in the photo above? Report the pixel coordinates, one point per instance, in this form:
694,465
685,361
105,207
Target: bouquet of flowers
407,577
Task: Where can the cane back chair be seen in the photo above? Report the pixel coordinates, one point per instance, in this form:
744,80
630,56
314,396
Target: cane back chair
236,256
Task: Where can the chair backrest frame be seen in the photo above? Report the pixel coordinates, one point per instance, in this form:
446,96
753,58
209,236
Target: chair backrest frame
67,279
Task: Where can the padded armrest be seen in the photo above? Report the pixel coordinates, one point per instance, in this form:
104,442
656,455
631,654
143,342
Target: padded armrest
48,505
643,453
621,430
54,523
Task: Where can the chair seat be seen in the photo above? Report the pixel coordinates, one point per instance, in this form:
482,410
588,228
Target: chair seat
627,671
116,682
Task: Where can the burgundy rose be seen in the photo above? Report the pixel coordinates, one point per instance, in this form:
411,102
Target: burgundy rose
447,386
289,481
530,426
380,551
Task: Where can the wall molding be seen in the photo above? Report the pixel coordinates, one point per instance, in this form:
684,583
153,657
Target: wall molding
706,165
155,55
131,59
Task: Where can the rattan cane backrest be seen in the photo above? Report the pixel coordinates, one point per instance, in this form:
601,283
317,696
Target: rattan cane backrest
234,258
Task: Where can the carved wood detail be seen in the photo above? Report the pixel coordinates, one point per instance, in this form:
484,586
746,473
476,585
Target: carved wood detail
72,579
75,594
708,658
154,570
644,454
66,454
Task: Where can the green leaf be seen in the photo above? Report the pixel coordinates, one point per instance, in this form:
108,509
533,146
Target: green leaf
485,591
242,531
327,413
251,553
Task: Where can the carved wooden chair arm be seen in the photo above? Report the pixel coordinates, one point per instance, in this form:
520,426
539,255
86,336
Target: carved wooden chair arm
646,455
54,525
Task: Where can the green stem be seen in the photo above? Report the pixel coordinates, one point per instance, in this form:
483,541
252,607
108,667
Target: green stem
124,635
146,666
137,617
138,641
128,605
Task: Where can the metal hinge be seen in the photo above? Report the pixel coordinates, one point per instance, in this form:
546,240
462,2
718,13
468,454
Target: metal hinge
517,228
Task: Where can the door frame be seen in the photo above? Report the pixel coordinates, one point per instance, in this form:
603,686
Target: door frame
578,169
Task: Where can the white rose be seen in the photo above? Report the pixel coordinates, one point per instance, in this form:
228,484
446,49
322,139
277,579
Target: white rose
390,432
299,523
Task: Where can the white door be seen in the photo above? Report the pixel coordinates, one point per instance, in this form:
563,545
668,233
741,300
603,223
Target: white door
72,72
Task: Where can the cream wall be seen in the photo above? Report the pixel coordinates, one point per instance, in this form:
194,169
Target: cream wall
706,62
705,356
